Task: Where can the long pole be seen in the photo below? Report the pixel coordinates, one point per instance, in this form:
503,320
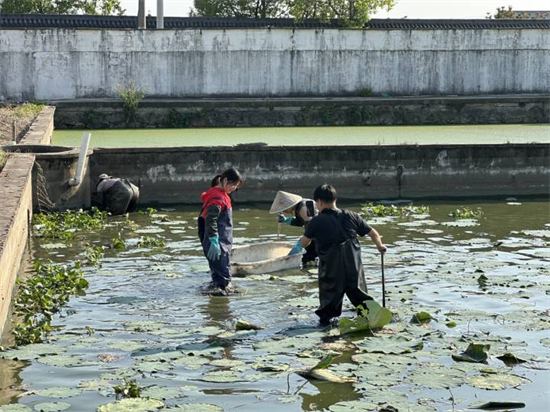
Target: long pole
383,282
160,14
278,230
142,19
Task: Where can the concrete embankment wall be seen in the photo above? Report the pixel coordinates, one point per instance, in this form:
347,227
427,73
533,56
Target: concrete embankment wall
72,63
277,112
179,175
16,206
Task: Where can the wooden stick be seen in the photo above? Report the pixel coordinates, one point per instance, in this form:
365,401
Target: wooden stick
383,282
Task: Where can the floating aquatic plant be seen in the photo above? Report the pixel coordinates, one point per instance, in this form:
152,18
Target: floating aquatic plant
373,316
128,389
118,243
150,241
94,254
475,352
321,373
372,210
40,296
150,211
65,225
466,213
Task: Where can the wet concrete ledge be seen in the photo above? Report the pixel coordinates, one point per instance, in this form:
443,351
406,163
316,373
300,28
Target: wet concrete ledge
178,175
306,111
41,129
16,205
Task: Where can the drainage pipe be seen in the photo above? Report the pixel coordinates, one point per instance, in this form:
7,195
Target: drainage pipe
77,179
160,14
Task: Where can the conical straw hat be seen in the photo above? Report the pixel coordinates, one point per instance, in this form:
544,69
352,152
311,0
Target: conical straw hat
284,201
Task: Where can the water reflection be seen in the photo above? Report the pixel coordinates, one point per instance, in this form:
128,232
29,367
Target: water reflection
217,311
327,394
10,381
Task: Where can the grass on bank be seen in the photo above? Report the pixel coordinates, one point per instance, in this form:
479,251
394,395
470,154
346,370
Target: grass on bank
21,116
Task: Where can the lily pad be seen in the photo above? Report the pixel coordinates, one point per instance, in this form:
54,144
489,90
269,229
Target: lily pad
15,407
372,318
32,351
227,363
244,325
222,377
461,223
326,375
51,406
421,317
192,362
353,406
289,399
94,385
475,352
196,407
127,346
510,359
59,392
132,405
61,360
389,344
495,382
270,367
497,405
161,393
436,376
152,366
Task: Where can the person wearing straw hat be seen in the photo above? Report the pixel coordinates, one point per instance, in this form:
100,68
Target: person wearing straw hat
301,211
118,196
340,266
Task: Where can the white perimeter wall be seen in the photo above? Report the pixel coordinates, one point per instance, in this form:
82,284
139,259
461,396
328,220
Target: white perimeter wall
69,63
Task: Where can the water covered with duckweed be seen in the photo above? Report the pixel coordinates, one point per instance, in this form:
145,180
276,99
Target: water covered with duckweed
484,280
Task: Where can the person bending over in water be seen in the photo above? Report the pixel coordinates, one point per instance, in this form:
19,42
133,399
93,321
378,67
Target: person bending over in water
215,223
118,196
301,212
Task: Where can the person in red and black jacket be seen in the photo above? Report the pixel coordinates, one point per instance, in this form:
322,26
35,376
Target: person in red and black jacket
216,229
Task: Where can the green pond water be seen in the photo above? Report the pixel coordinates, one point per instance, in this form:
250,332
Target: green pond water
311,136
152,324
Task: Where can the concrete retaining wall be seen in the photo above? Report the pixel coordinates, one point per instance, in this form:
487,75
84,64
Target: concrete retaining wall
179,175
71,63
16,207
41,129
276,112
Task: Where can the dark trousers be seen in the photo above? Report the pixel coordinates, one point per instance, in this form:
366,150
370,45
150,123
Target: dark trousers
341,273
311,253
221,270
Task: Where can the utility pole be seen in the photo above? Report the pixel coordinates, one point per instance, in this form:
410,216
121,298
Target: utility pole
160,14
142,19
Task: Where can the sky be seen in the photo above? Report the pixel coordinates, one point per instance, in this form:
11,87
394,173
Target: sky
412,9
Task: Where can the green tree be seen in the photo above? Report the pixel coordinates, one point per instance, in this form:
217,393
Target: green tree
353,13
503,13
241,8
105,7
